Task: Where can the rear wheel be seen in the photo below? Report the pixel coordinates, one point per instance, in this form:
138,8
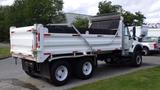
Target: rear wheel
60,73
31,74
85,68
29,68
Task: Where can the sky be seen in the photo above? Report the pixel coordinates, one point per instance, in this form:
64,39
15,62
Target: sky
150,8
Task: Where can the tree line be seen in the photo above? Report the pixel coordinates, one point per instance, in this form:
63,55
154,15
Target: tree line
29,12
106,7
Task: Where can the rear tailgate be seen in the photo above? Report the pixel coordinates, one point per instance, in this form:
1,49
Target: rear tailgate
23,41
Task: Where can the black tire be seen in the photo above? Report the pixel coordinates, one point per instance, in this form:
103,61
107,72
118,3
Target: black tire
109,61
64,68
146,51
31,74
136,59
30,71
80,71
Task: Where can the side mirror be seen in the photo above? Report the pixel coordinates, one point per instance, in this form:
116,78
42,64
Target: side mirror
139,39
134,33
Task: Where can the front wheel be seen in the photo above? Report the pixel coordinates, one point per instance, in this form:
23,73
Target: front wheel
136,59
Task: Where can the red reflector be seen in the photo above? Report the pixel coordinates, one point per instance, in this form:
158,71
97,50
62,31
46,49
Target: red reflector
47,35
37,45
47,53
29,30
38,36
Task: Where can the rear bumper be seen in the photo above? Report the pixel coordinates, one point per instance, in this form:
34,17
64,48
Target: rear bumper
21,56
38,69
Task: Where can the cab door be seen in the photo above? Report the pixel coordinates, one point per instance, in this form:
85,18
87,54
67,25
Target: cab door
127,39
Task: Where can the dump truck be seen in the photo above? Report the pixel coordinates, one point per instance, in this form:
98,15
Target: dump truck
58,51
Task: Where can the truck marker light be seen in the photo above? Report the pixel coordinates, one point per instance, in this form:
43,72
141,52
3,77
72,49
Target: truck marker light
38,36
46,35
29,30
37,40
37,45
12,32
47,53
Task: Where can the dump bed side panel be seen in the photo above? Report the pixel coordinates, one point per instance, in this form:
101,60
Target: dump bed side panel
69,43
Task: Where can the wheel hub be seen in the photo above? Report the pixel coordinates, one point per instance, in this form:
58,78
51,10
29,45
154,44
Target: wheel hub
61,73
87,68
138,59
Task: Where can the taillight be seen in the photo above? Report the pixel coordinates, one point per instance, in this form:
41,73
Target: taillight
29,30
155,45
38,40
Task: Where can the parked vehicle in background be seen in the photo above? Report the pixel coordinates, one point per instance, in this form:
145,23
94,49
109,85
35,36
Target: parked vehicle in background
57,51
150,44
149,38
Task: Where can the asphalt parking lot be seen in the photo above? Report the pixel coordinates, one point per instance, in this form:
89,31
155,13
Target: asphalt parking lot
12,76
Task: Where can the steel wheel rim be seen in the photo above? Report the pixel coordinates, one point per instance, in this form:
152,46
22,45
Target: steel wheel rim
138,60
61,73
87,68
145,52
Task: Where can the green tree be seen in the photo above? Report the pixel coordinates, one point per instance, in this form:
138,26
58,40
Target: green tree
81,22
4,20
106,7
37,11
140,17
29,12
128,18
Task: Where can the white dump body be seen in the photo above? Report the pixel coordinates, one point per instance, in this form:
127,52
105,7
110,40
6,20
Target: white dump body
35,43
